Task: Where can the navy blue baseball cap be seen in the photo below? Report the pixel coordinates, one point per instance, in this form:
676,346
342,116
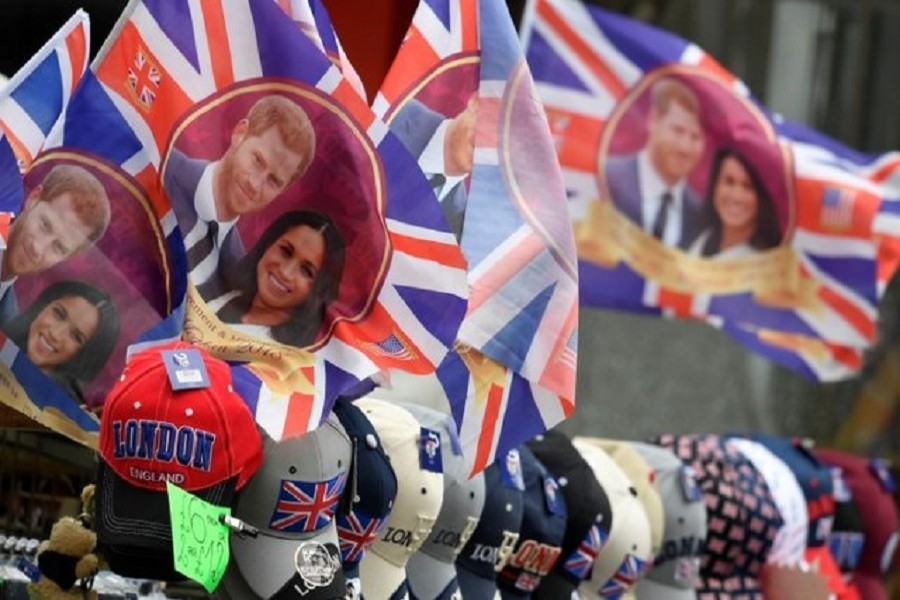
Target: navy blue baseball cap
541,536
370,492
494,539
589,514
815,480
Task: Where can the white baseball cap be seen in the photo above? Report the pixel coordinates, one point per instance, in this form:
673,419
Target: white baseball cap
627,553
420,493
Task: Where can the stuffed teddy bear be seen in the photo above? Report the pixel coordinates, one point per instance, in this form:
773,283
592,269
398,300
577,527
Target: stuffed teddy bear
67,557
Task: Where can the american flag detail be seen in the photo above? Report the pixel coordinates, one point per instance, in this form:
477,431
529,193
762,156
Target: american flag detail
305,506
33,100
844,231
582,559
523,308
356,532
631,569
164,57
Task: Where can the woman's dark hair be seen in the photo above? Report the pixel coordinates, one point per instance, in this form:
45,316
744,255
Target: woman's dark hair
766,234
93,356
306,319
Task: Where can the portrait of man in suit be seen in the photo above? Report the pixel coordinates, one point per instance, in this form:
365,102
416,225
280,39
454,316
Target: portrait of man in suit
269,149
444,147
651,186
62,216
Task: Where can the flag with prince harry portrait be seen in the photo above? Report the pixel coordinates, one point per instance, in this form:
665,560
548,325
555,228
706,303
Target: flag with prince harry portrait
460,98
691,199
310,259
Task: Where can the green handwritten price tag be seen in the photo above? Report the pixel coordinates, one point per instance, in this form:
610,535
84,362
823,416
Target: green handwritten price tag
199,539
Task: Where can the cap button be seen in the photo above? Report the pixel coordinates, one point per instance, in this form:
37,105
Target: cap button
371,442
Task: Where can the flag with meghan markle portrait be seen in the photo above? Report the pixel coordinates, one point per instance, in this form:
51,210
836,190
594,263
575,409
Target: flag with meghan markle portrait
32,103
307,259
460,97
691,199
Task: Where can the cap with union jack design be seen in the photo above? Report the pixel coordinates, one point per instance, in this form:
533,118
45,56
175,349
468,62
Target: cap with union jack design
292,500
627,553
589,514
371,489
493,541
540,538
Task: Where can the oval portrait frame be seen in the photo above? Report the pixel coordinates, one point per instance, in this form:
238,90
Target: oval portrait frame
731,104
370,202
137,312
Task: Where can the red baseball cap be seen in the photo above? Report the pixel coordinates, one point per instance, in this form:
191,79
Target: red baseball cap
204,440
871,487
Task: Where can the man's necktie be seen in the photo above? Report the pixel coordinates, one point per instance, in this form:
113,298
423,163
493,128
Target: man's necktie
437,182
201,251
659,224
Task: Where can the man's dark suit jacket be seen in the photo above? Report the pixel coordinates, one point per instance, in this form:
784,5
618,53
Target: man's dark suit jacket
625,189
182,175
415,125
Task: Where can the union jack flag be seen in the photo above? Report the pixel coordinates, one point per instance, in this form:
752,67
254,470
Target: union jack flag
839,213
12,188
305,506
356,532
523,307
33,100
143,79
166,57
631,569
580,562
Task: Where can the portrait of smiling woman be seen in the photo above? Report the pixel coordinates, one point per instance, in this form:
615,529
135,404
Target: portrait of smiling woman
281,288
68,332
739,208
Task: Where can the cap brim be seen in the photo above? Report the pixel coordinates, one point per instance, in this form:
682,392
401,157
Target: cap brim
554,587
474,586
380,578
647,589
870,587
266,564
429,577
130,519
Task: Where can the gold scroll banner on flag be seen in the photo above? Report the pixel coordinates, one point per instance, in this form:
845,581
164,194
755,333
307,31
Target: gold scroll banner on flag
277,365
606,237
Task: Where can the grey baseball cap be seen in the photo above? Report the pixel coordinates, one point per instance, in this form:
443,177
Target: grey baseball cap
291,500
677,566
431,571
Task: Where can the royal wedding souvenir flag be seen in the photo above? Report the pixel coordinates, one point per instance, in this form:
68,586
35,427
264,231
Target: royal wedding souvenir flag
691,199
92,268
305,256
461,99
